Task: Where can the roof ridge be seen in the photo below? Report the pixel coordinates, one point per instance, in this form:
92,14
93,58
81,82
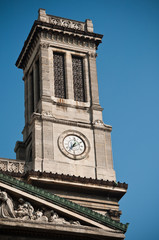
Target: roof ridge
41,193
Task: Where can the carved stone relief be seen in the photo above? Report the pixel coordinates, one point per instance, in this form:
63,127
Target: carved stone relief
98,122
3,165
12,166
67,23
6,206
21,209
47,114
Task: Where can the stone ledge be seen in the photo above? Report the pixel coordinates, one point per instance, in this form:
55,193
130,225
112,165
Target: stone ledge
49,227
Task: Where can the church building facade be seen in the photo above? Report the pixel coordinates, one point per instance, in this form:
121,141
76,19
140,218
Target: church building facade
62,184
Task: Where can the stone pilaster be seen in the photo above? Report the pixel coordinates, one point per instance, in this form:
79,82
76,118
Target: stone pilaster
103,154
30,96
26,99
93,79
68,76
45,77
37,140
36,88
86,79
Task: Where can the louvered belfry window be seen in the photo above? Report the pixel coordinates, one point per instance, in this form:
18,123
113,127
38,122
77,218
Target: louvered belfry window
78,79
59,75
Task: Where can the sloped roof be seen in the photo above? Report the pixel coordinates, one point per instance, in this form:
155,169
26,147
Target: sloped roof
43,194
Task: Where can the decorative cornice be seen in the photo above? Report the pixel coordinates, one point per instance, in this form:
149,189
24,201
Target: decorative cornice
78,179
40,26
70,178
63,202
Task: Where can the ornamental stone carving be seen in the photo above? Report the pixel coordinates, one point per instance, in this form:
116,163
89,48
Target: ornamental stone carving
47,114
3,165
12,166
98,122
67,23
113,213
21,167
26,212
6,206
92,55
44,45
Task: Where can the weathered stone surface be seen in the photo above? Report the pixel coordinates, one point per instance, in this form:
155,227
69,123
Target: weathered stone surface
51,115
64,133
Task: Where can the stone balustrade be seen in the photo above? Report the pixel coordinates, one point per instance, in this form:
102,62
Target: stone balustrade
12,165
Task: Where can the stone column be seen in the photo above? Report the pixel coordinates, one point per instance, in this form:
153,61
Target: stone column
68,76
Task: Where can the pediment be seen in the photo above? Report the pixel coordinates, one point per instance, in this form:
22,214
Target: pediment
36,208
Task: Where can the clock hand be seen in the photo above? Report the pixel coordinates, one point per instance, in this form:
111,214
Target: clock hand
74,144
71,146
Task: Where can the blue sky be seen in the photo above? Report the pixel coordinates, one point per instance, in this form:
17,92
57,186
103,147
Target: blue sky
128,76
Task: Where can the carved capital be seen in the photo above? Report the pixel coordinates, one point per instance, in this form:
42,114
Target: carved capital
44,45
47,114
92,55
98,123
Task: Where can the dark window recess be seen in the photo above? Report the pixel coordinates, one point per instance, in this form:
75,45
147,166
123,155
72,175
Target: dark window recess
78,79
59,75
30,155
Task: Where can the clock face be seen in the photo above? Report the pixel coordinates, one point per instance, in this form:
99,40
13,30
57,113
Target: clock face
74,144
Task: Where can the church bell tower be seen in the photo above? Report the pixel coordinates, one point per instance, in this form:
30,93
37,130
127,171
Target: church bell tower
64,131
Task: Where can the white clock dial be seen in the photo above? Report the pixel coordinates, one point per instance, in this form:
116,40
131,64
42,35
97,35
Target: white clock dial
74,145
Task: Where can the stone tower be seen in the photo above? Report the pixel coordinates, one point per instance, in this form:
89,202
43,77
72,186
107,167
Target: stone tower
62,183
64,131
